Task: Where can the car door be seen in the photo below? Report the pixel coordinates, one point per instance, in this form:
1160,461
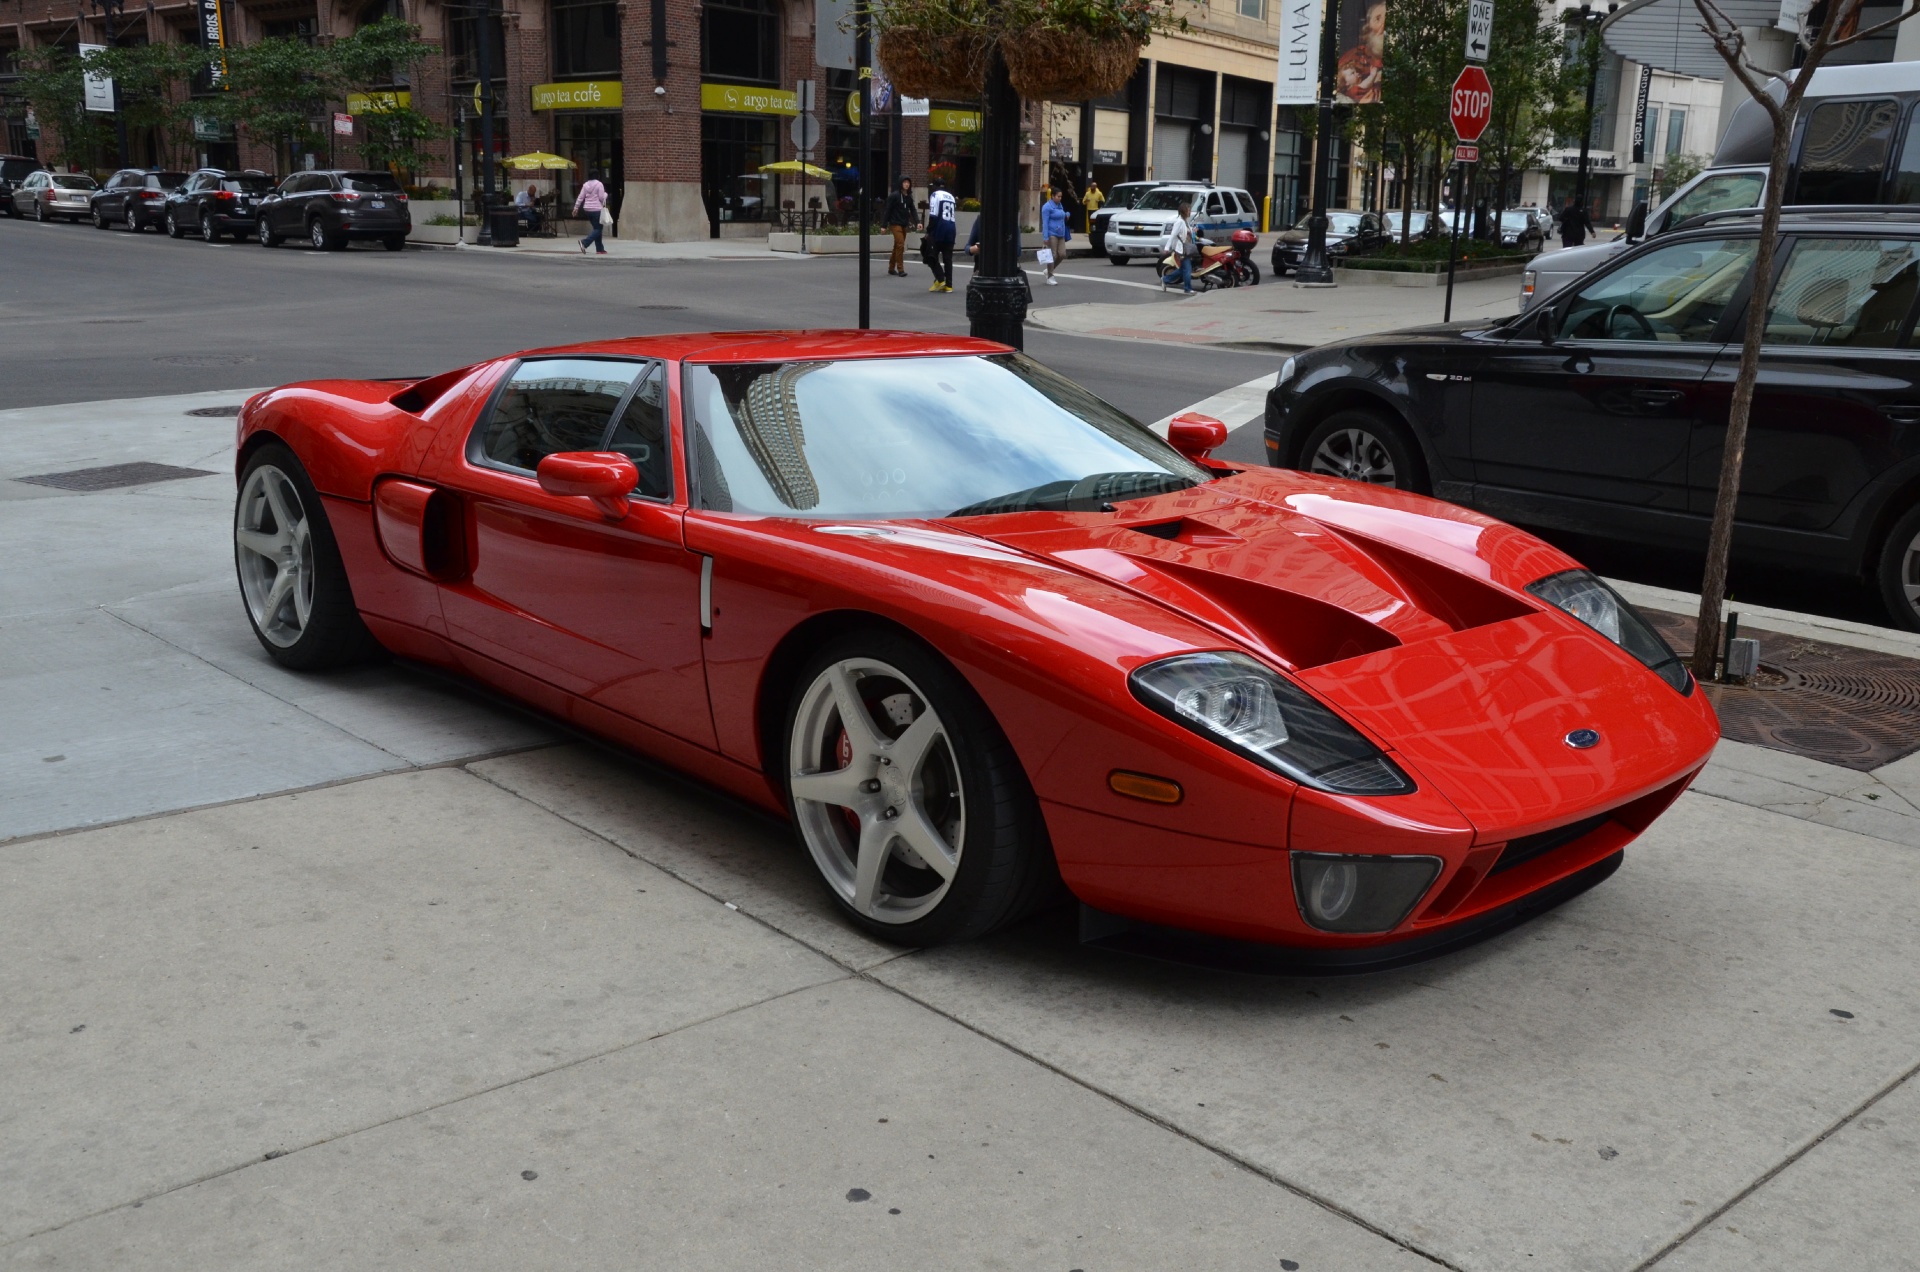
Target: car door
28,191
604,608
1606,412
1838,386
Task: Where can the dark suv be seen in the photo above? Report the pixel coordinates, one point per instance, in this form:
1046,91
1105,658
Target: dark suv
1604,410
13,170
216,201
329,208
135,196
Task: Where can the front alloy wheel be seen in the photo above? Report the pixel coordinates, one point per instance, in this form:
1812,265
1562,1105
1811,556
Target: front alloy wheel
267,237
173,225
1361,445
1355,454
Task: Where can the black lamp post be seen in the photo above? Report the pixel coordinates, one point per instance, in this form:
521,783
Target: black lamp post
1589,23
482,11
997,293
1314,270
111,9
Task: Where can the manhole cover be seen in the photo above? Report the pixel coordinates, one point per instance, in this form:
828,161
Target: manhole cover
659,306
205,359
215,412
114,476
1857,708
103,322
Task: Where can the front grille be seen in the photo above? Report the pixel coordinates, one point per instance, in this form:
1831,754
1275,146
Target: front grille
1527,847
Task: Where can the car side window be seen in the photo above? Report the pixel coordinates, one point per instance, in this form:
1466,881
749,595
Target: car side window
1718,194
641,434
1844,150
1214,206
550,405
1849,292
1672,294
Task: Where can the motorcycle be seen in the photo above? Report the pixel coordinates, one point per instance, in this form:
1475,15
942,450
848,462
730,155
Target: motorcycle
1245,271
1211,272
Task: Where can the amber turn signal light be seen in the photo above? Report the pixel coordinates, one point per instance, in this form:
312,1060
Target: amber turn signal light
1155,790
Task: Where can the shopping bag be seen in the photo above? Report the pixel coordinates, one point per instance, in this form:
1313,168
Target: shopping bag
1044,256
606,217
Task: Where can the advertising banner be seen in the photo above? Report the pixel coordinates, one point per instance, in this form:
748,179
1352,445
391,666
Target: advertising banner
213,35
1362,41
96,90
578,95
1298,83
1640,116
746,99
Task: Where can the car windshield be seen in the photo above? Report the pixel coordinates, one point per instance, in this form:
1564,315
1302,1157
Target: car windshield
369,182
249,184
167,180
1337,222
915,437
17,169
75,181
1169,200
1128,195
1516,220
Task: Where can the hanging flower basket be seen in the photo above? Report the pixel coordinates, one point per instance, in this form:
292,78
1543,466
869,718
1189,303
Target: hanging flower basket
1055,65
946,64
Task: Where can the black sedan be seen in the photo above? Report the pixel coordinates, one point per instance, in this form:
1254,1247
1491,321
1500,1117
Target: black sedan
1604,412
1348,234
329,208
135,197
215,201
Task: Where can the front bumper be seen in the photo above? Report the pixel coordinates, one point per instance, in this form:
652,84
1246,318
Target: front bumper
1131,245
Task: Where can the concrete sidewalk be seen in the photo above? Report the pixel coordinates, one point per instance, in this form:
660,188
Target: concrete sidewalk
372,972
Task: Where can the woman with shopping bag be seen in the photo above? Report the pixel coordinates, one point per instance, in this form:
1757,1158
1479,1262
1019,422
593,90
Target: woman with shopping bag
1053,228
592,200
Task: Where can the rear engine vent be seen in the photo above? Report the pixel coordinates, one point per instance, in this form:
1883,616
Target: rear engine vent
1524,849
418,396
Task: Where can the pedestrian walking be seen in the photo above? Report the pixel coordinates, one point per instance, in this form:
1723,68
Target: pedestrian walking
592,200
1053,228
1180,245
942,225
1575,225
900,218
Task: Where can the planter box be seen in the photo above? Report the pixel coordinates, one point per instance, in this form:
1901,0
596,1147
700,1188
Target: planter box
442,235
1423,278
849,244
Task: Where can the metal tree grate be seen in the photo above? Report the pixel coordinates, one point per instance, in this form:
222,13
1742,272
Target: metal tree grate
115,476
215,412
1856,708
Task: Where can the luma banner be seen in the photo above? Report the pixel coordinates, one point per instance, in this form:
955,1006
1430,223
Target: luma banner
1298,83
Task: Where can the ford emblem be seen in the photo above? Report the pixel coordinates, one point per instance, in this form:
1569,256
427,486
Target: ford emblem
1581,739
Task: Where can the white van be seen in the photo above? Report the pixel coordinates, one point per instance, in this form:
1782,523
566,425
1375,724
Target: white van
1844,153
1142,229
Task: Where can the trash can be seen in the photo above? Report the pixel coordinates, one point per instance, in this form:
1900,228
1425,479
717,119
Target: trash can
506,227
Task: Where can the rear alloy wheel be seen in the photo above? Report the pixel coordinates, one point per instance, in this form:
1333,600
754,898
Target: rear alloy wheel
291,578
908,797
100,221
266,236
318,236
1360,445
40,211
1899,571
394,242
207,228
173,226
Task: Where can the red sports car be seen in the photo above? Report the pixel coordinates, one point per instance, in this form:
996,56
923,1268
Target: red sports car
977,632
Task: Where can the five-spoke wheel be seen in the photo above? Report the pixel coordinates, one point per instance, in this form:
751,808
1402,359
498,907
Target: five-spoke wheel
291,578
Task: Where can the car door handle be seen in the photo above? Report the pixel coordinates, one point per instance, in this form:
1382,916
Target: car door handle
1902,414
1659,397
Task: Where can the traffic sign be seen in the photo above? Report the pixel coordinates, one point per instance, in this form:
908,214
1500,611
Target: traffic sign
1470,105
1479,29
1466,154
805,131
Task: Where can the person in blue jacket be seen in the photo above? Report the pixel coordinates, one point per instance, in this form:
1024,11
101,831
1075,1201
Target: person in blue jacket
1053,228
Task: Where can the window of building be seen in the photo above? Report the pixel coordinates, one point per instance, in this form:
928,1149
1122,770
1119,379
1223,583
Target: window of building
1650,134
463,50
1676,131
1844,150
586,39
740,41
301,29
1255,9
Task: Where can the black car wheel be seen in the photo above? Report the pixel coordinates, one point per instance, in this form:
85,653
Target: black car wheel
318,236
100,221
267,237
1118,260
133,220
208,230
1899,570
394,242
907,796
1362,445
295,588
173,226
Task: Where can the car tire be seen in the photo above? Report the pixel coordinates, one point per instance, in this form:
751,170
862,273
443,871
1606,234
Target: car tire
100,221
209,233
1898,571
40,211
266,236
133,222
394,242
292,583
955,790
173,226
1118,260
1364,445
321,240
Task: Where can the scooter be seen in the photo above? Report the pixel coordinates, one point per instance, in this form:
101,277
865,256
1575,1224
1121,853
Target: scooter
1210,272
1246,273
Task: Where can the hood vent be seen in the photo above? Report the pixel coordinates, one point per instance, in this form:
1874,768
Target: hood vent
1458,600
1304,631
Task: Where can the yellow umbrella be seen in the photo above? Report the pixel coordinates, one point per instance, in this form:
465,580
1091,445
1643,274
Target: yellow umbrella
538,161
794,165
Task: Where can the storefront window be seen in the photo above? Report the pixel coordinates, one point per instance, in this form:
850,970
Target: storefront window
740,41
463,51
732,149
586,39
592,141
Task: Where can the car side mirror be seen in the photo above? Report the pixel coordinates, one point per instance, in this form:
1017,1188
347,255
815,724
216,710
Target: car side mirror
1637,222
1195,435
603,477
1547,325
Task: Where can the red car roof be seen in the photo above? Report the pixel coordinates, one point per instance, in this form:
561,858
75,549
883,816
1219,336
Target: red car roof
785,346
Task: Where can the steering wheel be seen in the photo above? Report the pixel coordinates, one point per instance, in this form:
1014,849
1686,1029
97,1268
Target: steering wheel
1628,311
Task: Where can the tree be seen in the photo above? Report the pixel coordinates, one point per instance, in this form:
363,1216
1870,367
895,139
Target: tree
1417,70
1831,25
378,55
276,89
51,81
1532,89
152,82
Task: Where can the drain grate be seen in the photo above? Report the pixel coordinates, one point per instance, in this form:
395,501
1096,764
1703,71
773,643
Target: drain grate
205,359
215,412
115,476
1857,708
659,306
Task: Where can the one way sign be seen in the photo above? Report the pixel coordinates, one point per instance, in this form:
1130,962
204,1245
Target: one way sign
1479,29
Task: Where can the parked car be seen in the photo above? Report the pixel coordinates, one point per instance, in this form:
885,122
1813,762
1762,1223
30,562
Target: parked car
1520,229
1417,222
974,631
329,208
1141,231
1604,412
136,197
1119,199
216,201
45,195
13,170
1348,234
1858,124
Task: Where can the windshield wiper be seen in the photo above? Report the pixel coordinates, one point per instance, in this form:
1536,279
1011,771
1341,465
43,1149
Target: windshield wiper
1090,494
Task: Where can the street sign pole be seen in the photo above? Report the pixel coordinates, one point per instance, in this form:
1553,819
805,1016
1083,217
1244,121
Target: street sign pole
1453,243
1470,108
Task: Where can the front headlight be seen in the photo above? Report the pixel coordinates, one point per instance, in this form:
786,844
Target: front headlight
1246,707
1286,373
1583,595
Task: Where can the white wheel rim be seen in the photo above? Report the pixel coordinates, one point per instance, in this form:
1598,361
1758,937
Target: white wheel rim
887,826
1910,574
1355,454
273,547
318,234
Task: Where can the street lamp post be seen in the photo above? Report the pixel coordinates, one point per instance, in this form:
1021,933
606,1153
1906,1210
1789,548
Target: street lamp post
111,9
997,292
1314,270
1589,22
483,69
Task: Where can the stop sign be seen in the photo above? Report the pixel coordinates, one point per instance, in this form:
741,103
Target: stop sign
1471,105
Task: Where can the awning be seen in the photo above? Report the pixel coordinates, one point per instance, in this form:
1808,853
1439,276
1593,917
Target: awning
1666,34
